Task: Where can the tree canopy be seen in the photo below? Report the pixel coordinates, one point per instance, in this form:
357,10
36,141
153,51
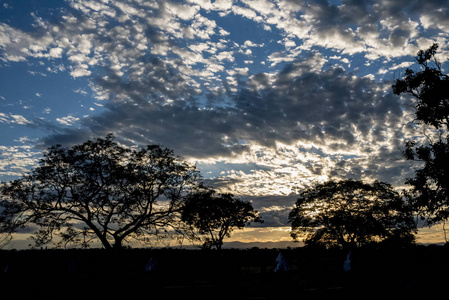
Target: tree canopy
429,88
216,215
100,190
351,213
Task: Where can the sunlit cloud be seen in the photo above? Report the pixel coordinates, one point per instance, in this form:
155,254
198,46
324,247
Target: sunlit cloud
13,119
16,161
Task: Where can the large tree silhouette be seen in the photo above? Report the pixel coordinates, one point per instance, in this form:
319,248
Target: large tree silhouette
100,190
429,89
351,213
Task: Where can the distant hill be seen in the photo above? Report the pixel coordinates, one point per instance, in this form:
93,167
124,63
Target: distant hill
267,245
24,245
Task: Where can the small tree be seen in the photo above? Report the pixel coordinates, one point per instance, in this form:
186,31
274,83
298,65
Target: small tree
215,215
351,213
109,192
429,89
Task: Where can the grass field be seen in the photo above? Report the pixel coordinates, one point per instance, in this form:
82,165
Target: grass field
229,274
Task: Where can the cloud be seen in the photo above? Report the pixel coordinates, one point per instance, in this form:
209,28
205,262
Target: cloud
67,120
183,11
245,12
167,76
80,71
16,45
13,119
238,71
220,5
304,122
375,29
249,43
17,160
381,30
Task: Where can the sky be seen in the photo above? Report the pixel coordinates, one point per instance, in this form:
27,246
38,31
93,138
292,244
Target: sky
267,98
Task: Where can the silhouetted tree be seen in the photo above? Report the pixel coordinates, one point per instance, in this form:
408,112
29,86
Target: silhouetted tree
429,87
216,215
430,90
100,190
351,213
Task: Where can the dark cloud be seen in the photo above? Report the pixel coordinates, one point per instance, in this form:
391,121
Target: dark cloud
376,28
330,105
313,107
152,81
274,210
335,111
187,130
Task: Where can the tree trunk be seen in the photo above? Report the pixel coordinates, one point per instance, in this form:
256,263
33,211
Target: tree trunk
106,244
104,241
117,244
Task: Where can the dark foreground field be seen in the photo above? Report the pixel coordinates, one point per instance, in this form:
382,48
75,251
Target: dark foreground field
230,274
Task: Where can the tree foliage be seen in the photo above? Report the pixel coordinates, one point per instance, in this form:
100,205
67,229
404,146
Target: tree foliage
99,190
429,88
351,213
215,215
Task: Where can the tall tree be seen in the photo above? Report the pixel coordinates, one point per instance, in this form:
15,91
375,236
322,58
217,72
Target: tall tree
215,215
351,213
113,193
429,88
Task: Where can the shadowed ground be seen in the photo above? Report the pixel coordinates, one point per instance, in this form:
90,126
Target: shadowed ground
229,274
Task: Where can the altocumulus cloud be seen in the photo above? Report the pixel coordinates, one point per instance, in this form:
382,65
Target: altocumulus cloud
301,95
340,114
